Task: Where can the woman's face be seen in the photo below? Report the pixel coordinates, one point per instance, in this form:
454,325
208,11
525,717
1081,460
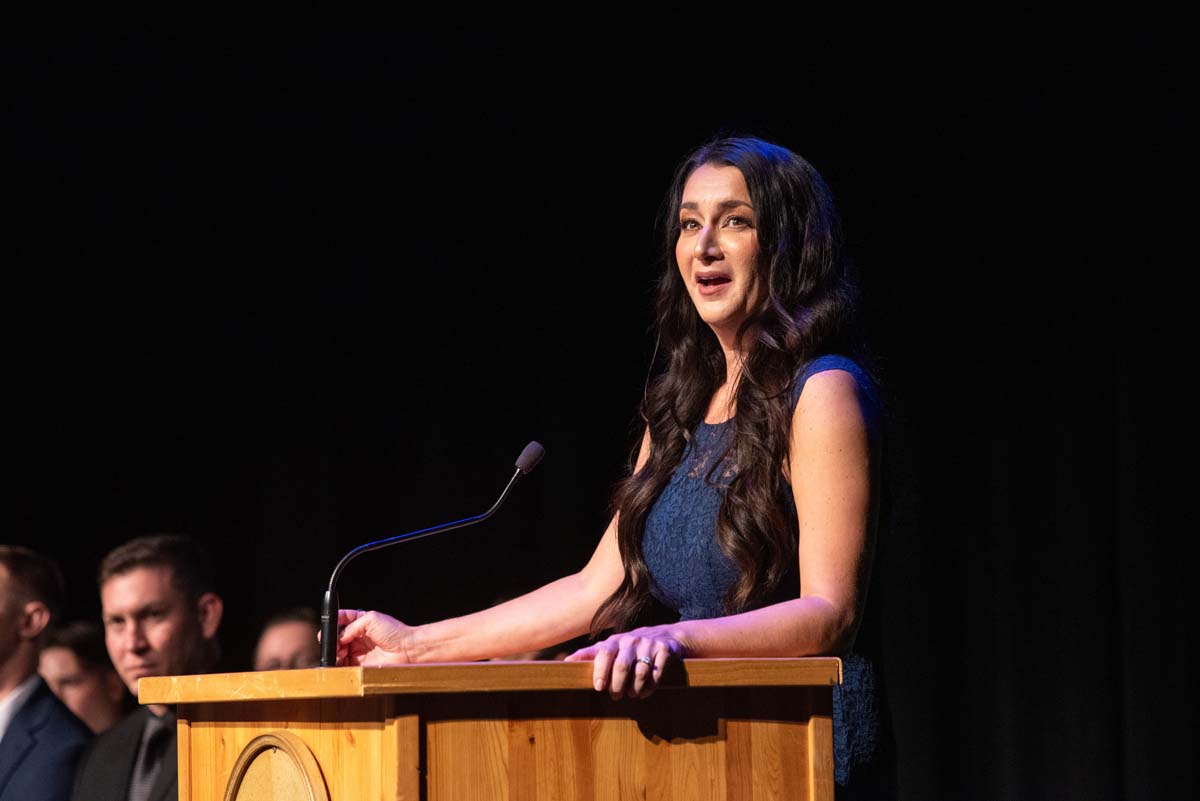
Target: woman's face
717,250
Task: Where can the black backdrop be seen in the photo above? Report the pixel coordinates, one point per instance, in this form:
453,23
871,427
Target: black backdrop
288,297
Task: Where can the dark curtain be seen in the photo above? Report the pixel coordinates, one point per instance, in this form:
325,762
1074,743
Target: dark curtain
290,297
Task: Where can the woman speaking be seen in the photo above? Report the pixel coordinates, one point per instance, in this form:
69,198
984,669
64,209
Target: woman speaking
750,513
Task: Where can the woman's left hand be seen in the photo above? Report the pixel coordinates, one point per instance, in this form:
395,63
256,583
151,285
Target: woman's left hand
631,663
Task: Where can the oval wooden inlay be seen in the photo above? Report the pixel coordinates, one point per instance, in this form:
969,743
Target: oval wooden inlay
277,766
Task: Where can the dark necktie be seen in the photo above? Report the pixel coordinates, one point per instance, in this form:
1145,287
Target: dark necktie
149,757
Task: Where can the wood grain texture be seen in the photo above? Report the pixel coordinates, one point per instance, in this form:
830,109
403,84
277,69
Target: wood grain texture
356,682
276,766
402,737
254,686
183,745
706,744
754,737
346,737
820,746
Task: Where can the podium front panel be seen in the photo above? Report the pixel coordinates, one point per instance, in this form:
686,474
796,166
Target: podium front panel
450,736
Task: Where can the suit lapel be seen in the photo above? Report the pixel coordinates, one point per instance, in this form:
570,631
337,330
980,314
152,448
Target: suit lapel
17,744
116,763
21,736
166,787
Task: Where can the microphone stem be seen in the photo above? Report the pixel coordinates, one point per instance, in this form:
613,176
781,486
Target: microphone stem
329,604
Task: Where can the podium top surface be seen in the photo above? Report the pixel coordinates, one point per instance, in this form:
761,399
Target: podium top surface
358,682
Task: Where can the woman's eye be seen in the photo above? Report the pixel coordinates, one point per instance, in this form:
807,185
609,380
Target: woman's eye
688,225
737,221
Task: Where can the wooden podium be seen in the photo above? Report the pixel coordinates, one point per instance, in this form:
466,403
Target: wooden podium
717,729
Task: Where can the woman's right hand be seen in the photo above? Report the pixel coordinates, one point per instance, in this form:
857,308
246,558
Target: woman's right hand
372,638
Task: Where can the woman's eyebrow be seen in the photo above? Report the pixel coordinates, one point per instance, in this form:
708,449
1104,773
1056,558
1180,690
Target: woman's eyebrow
724,204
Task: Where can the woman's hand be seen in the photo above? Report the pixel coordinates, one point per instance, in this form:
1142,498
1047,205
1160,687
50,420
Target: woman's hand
631,664
372,638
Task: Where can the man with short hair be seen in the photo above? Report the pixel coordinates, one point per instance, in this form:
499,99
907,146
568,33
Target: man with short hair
75,665
40,740
161,613
289,641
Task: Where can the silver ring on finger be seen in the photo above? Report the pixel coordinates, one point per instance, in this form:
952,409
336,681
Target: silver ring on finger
647,661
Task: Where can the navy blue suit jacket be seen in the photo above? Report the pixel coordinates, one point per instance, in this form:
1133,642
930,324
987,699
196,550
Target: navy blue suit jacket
40,748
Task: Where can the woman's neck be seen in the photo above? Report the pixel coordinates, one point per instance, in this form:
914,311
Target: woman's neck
724,401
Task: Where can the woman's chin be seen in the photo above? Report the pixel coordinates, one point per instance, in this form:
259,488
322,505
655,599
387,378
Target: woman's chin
721,321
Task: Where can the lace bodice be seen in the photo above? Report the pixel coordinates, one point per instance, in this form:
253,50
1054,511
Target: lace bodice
690,574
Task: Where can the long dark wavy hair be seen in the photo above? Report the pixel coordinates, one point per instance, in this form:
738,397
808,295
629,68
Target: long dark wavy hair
807,309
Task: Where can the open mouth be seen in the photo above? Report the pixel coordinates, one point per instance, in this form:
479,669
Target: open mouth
712,284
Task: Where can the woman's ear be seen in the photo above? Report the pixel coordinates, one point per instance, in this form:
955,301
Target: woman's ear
209,607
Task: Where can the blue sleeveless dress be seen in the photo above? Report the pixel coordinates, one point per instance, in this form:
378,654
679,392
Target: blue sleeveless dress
690,576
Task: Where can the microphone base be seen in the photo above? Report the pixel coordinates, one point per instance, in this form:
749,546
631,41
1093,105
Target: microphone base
329,629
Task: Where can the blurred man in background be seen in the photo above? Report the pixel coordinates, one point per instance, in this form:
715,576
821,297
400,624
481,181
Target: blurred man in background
75,664
289,641
40,740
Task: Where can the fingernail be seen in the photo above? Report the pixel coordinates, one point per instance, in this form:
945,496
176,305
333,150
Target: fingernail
599,684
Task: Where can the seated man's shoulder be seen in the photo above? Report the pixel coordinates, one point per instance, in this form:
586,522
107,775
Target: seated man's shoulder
48,714
128,729
42,747
107,759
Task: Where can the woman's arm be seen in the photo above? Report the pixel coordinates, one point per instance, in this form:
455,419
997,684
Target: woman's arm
830,471
554,613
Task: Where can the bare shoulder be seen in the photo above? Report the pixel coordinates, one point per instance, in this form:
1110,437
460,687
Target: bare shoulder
831,401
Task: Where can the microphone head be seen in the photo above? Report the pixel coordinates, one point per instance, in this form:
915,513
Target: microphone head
530,457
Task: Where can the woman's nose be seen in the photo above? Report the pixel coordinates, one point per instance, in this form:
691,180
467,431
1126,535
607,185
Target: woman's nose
707,246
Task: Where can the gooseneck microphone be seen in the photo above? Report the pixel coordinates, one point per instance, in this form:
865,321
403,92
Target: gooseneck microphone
528,460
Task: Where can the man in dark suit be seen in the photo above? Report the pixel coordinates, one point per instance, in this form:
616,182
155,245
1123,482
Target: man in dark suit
161,615
40,740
